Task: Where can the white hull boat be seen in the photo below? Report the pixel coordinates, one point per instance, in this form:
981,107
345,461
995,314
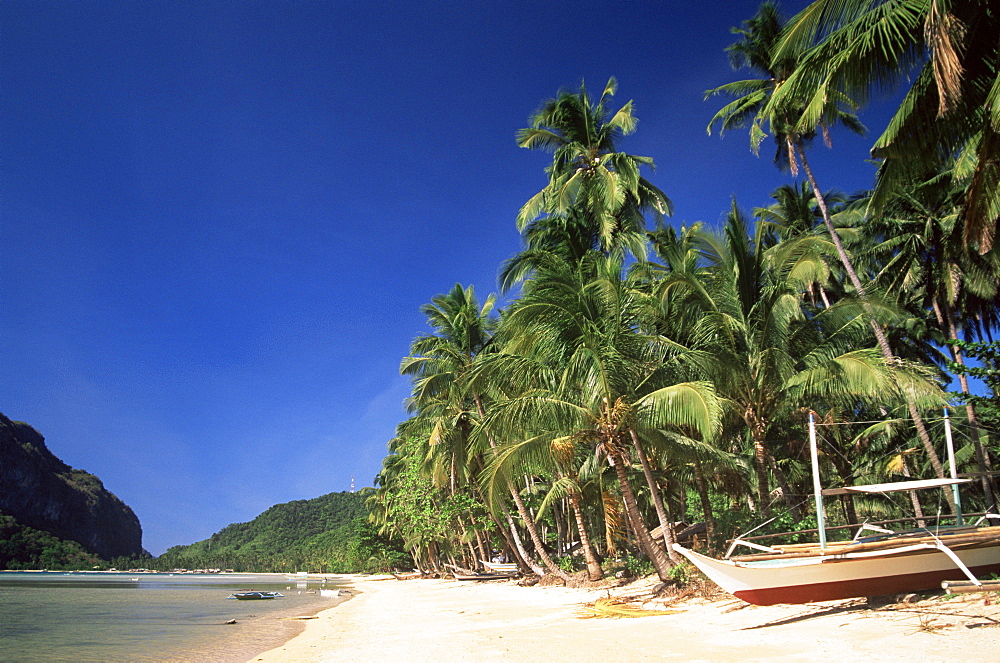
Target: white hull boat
890,563
897,565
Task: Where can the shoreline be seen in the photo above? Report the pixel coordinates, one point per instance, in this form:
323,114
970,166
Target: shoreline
123,616
440,620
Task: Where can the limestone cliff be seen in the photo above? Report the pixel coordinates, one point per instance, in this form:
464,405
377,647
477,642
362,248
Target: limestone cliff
42,492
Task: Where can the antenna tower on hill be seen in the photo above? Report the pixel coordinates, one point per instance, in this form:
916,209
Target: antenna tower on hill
352,483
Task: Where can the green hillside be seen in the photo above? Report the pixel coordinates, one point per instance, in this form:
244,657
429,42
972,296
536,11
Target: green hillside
23,547
328,533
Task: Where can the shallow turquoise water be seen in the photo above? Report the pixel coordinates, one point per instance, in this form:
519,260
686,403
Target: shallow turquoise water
147,617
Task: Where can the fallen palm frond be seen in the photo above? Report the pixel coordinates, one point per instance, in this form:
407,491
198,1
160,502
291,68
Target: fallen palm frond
613,608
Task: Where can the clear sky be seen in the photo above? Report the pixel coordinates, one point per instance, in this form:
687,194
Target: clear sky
218,220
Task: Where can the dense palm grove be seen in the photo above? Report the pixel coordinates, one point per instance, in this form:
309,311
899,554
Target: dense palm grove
644,377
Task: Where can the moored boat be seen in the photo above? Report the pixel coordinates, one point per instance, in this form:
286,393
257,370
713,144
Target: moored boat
496,567
483,576
890,563
254,596
903,563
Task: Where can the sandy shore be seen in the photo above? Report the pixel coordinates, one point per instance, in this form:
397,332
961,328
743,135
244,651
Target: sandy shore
446,620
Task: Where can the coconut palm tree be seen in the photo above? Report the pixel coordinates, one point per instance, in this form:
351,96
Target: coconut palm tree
746,299
603,383
595,192
443,363
558,456
796,215
948,52
919,250
795,114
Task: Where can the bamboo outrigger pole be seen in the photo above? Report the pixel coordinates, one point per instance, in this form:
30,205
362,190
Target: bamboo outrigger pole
953,467
817,486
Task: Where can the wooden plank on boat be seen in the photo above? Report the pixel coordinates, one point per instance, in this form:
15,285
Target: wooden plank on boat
895,486
961,538
966,586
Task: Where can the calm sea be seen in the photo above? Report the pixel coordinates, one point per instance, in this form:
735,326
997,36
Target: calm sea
54,616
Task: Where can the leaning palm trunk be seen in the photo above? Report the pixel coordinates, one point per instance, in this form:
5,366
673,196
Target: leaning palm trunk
529,522
706,504
594,570
982,458
655,553
532,527
524,557
666,528
883,343
513,541
918,510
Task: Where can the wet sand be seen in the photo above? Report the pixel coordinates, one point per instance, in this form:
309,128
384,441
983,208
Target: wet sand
446,620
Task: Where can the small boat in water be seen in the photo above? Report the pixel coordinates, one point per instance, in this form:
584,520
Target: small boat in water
254,596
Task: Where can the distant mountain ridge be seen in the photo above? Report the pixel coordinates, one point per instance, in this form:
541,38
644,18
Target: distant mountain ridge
42,492
320,531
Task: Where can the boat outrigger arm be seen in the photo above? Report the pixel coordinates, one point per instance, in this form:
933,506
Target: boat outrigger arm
898,486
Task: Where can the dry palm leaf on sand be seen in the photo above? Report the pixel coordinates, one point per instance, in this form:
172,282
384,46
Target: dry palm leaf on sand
608,607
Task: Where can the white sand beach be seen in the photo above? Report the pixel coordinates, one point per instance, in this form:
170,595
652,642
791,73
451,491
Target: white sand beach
447,620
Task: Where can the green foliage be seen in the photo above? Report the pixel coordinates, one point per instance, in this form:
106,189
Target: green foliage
372,552
595,370
988,356
567,563
680,574
632,565
83,481
327,533
23,547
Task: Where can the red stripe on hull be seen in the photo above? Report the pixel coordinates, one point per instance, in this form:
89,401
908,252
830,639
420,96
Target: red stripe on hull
848,589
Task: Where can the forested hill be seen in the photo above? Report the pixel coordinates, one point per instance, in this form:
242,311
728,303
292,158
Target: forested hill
327,533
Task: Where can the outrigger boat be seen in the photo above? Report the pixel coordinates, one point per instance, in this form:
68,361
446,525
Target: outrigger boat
887,563
499,569
483,576
255,596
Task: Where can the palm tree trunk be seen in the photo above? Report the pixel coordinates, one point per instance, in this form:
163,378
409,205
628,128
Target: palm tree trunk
529,522
484,552
519,547
914,500
883,343
786,488
557,517
594,570
532,528
706,504
661,513
947,317
510,536
822,294
655,553
759,460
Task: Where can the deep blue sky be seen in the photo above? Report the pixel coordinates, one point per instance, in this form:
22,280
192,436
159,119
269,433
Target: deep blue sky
220,219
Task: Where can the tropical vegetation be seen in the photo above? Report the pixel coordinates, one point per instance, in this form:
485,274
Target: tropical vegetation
645,382
23,547
327,534
330,533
